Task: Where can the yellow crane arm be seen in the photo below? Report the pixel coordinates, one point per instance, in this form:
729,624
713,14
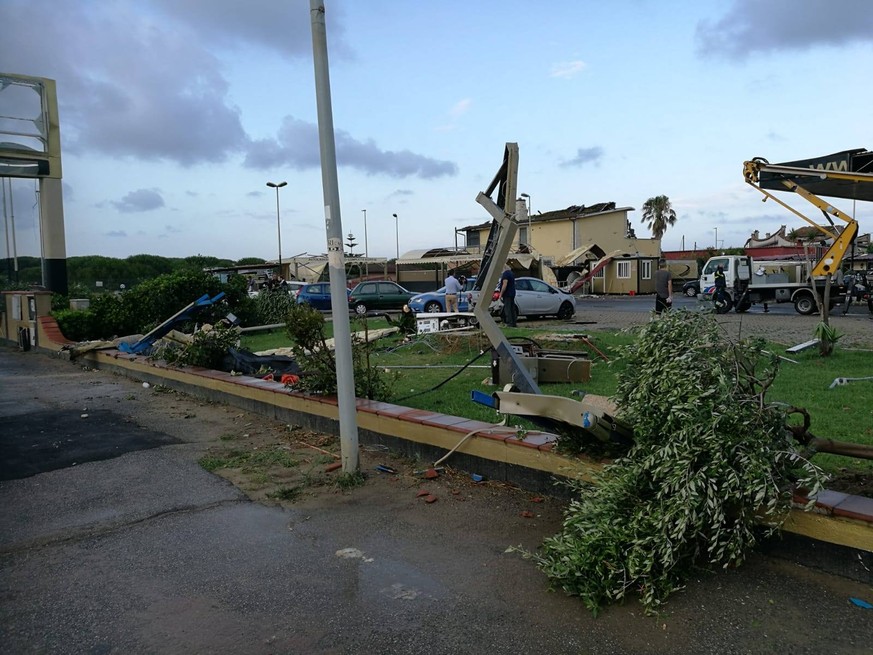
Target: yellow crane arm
842,241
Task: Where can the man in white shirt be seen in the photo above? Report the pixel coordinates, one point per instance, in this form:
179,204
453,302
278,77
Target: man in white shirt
453,289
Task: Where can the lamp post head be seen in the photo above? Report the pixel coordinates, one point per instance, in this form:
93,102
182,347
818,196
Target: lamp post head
273,185
394,215
524,195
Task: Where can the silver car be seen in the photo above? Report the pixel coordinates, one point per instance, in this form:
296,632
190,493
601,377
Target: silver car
534,298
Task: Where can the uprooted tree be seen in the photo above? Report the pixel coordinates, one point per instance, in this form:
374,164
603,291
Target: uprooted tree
712,469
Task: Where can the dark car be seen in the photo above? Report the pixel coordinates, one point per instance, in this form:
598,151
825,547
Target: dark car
691,288
317,295
378,294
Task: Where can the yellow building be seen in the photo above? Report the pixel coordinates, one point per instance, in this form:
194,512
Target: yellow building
579,240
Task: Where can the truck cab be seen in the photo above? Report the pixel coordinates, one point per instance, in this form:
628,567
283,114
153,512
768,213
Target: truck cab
729,264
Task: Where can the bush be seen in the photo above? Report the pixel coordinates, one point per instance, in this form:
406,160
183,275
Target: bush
273,307
76,324
305,327
207,348
149,304
711,461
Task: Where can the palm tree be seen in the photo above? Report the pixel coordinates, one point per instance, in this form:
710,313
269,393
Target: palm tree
658,215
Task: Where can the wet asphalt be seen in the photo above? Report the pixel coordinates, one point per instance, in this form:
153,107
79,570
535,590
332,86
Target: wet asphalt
114,540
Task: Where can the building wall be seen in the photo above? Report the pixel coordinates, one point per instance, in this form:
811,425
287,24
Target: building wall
555,238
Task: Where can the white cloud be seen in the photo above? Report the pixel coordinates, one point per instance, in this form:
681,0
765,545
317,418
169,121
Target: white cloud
461,108
567,69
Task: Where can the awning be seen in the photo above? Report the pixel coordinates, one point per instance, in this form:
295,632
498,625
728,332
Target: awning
572,256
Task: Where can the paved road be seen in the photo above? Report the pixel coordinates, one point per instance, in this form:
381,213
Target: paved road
114,540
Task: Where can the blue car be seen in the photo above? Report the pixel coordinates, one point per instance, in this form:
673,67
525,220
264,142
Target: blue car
317,295
435,301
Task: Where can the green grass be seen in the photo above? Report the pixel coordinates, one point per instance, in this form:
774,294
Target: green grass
258,341
843,413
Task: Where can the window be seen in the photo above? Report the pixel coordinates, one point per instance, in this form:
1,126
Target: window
714,264
601,273
647,269
624,270
539,287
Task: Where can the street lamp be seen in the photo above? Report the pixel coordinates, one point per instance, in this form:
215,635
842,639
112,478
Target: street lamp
273,185
366,249
529,234
397,234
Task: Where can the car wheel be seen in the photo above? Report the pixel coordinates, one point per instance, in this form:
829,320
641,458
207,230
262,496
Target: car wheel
566,311
433,307
360,309
804,304
691,292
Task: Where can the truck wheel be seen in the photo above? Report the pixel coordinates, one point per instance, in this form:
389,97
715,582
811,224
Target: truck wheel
743,304
805,304
723,304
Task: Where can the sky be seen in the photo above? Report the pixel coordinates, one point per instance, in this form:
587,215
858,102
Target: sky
176,113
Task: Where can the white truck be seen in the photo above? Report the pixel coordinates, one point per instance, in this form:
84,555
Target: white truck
749,282
840,175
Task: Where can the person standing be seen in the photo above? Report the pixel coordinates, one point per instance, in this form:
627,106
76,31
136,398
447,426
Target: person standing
453,289
663,288
507,296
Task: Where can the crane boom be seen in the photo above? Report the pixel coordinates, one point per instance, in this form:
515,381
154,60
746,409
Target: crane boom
839,181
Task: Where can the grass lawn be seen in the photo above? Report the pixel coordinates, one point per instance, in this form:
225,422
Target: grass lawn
422,367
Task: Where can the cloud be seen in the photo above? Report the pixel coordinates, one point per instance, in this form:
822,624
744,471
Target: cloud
145,82
461,107
296,146
116,233
283,27
584,156
751,26
142,200
567,69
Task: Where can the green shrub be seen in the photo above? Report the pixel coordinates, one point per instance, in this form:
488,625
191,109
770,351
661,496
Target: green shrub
76,324
305,327
207,348
272,307
711,461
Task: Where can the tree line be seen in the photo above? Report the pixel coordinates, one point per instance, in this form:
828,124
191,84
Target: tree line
85,272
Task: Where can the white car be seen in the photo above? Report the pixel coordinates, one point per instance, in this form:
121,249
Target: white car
534,298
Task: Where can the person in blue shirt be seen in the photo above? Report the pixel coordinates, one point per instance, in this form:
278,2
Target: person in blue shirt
507,296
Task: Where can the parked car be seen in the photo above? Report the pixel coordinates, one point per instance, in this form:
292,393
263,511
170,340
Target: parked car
317,295
378,294
534,298
691,288
435,301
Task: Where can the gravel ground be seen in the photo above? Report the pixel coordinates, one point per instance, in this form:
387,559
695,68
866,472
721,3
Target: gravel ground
788,329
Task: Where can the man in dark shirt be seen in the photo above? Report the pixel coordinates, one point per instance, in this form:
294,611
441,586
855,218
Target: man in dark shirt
663,288
507,295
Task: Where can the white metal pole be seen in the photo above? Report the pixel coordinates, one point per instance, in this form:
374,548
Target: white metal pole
366,248
345,374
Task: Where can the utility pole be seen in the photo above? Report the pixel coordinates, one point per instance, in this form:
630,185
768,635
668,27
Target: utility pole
346,401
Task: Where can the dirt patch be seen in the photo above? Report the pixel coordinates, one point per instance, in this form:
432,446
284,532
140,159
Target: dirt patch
289,465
